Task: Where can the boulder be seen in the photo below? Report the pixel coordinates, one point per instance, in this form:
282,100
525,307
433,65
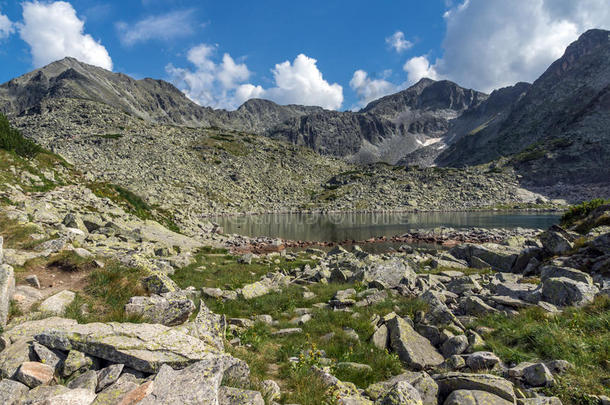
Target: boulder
421,381
13,356
552,271
475,306
7,288
76,362
482,361
26,296
401,393
449,382
563,291
11,392
238,396
87,380
207,327
389,274
58,395
474,397
414,350
169,309
33,374
127,390
57,304
555,241
159,283
454,345
49,357
108,376
538,375
196,384
143,347
380,337
498,257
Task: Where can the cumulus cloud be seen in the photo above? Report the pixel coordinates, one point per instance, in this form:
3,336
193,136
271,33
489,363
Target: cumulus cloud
210,84
53,31
177,24
6,27
398,42
222,85
368,89
495,43
419,67
301,82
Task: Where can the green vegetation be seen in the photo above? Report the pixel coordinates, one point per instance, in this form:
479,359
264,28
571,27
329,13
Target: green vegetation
133,203
107,290
578,335
468,271
226,142
327,332
111,136
13,141
579,212
216,268
16,235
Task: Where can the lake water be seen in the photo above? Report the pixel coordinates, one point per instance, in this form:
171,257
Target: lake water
336,227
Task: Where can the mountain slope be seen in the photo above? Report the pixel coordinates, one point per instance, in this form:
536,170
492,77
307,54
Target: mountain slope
387,128
560,129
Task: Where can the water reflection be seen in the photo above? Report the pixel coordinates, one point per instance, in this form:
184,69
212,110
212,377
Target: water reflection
360,226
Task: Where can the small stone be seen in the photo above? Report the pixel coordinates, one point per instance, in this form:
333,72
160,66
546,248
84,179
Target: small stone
286,332
538,375
76,361
33,281
87,380
11,392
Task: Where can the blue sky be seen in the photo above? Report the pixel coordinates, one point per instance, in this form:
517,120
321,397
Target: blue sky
337,54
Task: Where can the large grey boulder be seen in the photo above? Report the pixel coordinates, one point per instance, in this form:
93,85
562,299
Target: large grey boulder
11,392
475,306
414,350
564,291
33,374
143,347
7,288
474,397
58,395
197,384
421,381
555,241
449,382
57,304
552,271
401,393
538,375
454,345
238,396
168,309
159,283
207,327
498,257
389,274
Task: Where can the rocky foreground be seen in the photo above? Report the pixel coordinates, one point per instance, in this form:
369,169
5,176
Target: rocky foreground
195,325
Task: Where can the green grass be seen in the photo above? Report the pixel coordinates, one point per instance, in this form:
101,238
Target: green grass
222,270
111,136
265,349
16,235
467,272
579,212
13,141
133,203
108,290
578,335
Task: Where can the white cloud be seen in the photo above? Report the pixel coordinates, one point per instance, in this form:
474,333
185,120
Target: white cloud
495,43
177,24
210,84
301,82
369,89
398,42
53,31
222,85
419,67
6,27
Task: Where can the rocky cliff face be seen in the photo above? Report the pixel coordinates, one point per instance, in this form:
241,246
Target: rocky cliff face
559,129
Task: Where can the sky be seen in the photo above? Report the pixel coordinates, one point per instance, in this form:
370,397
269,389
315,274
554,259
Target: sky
338,54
